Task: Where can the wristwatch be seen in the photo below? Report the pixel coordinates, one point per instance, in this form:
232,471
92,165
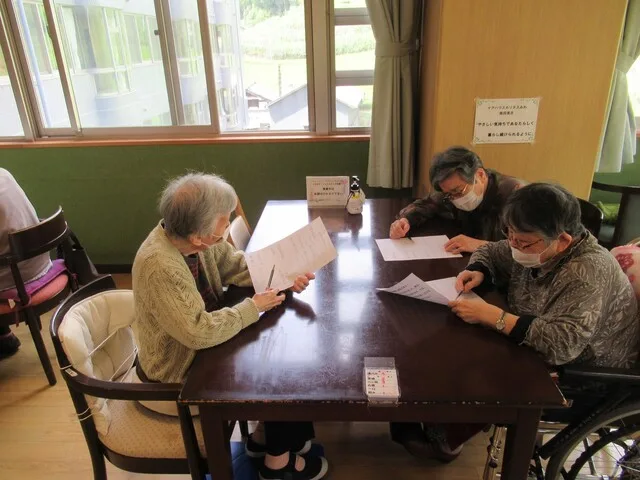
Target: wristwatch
500,324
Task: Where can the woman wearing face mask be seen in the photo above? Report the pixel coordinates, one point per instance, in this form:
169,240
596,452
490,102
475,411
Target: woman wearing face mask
464,191
568,299
562,286
178,277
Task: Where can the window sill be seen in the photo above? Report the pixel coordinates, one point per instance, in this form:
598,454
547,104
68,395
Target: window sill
222,139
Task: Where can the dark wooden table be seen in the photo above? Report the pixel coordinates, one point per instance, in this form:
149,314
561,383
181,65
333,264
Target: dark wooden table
305,360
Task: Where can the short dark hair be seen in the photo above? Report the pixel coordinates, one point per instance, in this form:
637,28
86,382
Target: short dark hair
458,160
543,208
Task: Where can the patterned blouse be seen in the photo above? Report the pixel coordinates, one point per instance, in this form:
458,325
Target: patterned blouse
579,308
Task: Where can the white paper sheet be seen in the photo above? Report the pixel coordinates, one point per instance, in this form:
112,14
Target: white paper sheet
440,291
306,250
416,248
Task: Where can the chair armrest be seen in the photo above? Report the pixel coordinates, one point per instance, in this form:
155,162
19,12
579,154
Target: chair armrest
120,390
627,376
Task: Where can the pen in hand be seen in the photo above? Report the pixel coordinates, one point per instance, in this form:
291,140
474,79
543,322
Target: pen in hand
462,291
271,277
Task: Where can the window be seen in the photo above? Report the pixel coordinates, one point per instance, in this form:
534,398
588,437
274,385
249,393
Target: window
263,52
633,79
354,60
141,67
144,39
10,124
41,67
152,26
134,43
112,86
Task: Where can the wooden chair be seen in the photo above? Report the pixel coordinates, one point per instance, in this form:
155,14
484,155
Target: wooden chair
95,346
591,217
239,230
627,226
23,245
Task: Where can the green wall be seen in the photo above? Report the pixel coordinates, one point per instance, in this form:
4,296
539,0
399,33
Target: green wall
109,194
630,175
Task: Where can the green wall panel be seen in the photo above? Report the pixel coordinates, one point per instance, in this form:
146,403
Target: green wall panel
110,193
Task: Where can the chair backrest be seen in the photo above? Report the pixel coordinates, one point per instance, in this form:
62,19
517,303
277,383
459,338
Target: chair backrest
239,235
38,239
628,224
92,333
591,217
239,230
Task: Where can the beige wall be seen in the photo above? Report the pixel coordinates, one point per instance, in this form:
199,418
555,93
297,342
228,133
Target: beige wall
561,50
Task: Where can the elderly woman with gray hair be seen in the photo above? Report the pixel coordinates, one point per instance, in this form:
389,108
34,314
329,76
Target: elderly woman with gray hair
464,191
178,277
568,298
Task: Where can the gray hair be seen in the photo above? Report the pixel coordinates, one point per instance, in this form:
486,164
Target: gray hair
192,203
458,160
544,209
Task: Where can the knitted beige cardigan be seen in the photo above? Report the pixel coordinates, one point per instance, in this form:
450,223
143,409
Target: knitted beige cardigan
171,322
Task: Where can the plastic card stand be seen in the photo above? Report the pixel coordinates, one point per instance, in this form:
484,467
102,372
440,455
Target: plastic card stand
381,381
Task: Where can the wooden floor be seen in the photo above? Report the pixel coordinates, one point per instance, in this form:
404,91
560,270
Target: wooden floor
40,437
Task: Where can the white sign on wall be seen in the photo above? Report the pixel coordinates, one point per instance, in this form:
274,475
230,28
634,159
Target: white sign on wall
506,120
327,191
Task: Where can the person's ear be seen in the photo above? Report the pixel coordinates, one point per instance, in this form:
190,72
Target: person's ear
564,241
195,240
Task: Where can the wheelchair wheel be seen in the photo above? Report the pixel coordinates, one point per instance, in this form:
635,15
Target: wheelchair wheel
608,447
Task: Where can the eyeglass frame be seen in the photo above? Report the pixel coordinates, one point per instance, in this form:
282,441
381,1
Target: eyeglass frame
517,243
455,196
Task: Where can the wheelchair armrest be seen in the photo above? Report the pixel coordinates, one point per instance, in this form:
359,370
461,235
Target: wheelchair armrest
627,376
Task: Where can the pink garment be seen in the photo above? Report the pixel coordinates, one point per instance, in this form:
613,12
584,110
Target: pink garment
628,257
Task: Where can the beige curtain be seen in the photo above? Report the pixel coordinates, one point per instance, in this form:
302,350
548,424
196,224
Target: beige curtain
619,141
392,151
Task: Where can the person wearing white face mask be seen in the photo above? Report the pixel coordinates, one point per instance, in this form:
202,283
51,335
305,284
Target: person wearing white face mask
562,286
568,299
463,191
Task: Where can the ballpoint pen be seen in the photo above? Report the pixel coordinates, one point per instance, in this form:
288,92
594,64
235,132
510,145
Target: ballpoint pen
461,291
271,277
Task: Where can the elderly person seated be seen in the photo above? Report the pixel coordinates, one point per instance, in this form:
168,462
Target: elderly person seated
568,297
178,277
464,191
16,213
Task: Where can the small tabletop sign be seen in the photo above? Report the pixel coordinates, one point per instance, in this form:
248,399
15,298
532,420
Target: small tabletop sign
327,191
506,120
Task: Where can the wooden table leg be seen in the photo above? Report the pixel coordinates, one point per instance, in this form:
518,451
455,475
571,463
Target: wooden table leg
216,443
521,439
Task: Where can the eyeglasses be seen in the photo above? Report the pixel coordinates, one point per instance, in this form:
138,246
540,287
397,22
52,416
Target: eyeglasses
224,235
454,195
517,243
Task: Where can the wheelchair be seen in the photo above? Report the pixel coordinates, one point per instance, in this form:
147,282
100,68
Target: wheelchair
602,443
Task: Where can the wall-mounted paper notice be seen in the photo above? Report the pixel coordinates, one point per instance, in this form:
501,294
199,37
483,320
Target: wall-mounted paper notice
506,120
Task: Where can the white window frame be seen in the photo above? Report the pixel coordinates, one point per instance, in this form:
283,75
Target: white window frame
322,78
17,86
346,78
